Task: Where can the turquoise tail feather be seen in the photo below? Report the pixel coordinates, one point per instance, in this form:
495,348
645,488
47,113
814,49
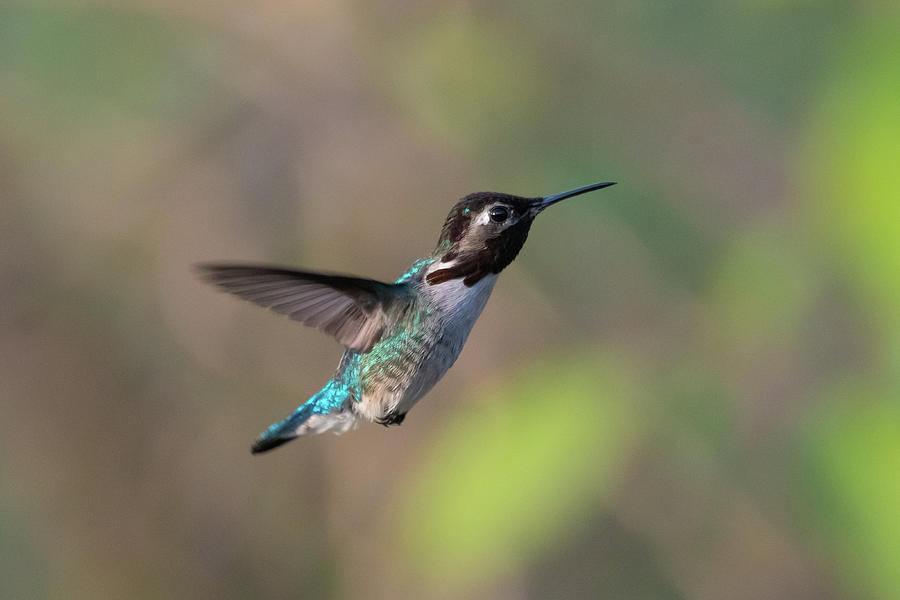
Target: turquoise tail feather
320,413
283,431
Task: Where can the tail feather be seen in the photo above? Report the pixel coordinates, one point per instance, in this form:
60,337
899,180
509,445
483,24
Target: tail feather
326,411
264,444
283,431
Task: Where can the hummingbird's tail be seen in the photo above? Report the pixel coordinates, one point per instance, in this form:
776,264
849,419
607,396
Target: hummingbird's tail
328,410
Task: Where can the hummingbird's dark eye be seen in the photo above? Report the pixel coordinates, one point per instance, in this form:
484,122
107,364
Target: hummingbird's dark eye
499,214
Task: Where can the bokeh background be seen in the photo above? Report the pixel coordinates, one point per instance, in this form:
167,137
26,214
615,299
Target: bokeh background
686,387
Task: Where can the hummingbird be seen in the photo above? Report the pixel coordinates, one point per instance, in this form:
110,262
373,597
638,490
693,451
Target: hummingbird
400,337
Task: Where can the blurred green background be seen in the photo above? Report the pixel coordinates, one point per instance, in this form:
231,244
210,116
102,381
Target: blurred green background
687,386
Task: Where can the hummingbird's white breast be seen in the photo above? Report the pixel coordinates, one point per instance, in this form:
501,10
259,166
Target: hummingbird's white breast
460,305
456,307
447,311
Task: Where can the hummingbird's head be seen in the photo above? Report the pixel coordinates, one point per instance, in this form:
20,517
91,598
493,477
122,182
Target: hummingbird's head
485,231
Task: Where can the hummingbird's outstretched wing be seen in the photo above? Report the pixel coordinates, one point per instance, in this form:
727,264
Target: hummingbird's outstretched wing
355,311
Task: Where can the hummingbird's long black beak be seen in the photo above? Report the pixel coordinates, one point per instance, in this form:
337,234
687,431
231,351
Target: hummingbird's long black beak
550,200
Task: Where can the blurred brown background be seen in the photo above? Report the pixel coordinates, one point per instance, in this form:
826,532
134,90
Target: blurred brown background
686,387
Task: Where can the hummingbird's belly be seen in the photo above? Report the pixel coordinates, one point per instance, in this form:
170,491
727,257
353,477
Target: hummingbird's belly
404,366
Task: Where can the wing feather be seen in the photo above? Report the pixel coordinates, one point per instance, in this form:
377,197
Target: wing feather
355,311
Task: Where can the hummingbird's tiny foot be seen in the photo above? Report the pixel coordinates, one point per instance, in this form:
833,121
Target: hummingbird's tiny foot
391,419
